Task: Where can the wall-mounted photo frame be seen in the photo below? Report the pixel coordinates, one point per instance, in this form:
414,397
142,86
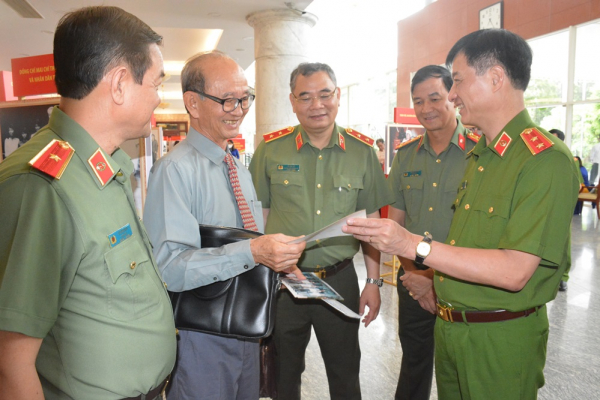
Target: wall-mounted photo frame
395,135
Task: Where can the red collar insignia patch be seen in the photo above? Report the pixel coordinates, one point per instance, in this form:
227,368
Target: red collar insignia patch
461,141
299,141
101,167
54,158
502,144
341,141
536,141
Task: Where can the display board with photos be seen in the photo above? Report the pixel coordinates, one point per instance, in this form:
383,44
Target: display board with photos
395,135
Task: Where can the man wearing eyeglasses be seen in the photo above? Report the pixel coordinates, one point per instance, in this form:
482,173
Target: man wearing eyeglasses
193,185
307,177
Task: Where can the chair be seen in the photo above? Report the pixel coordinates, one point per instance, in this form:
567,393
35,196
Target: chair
590,195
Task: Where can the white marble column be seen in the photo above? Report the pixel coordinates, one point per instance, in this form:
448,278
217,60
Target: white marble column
280,44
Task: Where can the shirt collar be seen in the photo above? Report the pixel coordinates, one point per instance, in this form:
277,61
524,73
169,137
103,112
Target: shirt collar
205,146
337,139
456,139
85,146
504,141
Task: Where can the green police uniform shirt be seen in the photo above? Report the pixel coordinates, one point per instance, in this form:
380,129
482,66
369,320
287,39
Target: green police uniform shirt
76,269
307,189
518,193
425,184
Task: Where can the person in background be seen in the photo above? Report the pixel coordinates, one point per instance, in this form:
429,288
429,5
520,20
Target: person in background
196,183
594,158
308,177
380,151
504,257
424,176
84,313
231,147
586,183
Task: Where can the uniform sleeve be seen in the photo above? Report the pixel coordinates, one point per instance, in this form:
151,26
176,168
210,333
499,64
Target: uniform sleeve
262,182
375,193
40,251
175,236
393,181
543,205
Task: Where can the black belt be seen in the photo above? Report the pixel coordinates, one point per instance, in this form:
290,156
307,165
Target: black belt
151,395
329,271
449,315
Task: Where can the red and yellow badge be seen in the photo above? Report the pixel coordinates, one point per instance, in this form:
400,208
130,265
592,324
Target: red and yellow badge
101,167
419,138
536,141
357,135
299,141
54,158
473,136
268,137
502,144
342,141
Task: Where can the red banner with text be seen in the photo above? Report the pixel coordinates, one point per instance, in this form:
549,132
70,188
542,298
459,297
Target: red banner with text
33,75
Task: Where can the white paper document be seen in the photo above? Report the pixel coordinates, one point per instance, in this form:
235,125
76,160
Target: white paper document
332,230
342,308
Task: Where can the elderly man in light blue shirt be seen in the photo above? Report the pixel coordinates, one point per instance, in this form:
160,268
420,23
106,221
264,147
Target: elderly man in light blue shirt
191,186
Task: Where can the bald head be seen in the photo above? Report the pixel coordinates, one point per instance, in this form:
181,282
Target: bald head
197,70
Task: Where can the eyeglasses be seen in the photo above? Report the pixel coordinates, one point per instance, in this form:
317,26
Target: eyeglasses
231,103
323,97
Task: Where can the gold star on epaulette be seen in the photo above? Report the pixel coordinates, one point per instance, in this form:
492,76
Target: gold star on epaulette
269,137
536,141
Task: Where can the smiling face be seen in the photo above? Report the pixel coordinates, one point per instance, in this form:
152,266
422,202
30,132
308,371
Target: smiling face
224,79
318,116
470,92
432,107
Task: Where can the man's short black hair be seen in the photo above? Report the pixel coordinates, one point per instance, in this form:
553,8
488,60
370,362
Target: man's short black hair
432,71
380,140
488,47
307,69
90,41
560,134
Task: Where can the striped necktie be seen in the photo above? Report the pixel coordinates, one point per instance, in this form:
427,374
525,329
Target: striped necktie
247,217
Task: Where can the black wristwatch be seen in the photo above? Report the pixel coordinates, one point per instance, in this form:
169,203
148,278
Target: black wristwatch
423,249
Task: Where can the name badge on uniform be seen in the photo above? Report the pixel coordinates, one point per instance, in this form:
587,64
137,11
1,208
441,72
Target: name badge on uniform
288,167
408,174
119,235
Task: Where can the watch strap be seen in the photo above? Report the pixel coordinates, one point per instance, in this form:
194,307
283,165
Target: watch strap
378,282
420,258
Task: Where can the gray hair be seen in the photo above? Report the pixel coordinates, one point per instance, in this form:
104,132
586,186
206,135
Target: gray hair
307,69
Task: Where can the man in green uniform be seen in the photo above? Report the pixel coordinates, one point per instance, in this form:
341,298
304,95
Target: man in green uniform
425,174
84,313
307,177
508,244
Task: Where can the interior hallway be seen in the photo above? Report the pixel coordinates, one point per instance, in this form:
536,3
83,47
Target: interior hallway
573,362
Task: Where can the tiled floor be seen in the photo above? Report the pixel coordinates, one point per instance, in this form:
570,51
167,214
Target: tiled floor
573,362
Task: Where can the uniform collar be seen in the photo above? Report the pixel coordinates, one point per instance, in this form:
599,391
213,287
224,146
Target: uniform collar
205,146
85,147
458,139
505,141
337,139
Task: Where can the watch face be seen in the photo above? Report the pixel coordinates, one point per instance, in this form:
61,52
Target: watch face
491,17
423,249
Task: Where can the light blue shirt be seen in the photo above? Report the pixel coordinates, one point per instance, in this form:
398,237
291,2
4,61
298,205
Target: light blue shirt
187,187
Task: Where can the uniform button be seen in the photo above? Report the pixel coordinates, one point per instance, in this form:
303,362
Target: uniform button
318,186
480,168
349,186
318,212
438,161
491,210
430,208
434,184
132,265
318,241
441,278
467,207
286,182
426,233
320,157
119,173
245,267
452,242
215,278
165,283
408,186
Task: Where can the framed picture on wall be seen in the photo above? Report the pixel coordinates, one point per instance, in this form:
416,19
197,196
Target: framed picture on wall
20,120
396,134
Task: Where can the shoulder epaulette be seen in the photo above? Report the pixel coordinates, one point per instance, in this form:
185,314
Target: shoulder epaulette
269,137
536,141
359,136
54,158
473,136
409,142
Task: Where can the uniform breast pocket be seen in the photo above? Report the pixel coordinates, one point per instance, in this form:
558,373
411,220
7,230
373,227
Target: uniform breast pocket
492,217
287,191
412,191
346,189
133,291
